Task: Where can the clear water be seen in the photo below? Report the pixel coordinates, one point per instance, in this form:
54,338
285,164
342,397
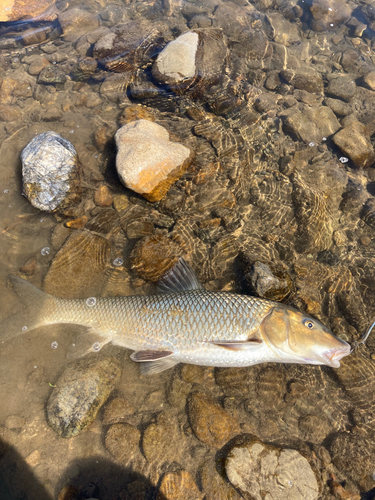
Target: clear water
35,463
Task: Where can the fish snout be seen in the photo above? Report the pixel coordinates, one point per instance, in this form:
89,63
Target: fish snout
333,356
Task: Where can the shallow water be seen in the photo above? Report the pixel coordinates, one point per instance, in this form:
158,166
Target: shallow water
268,184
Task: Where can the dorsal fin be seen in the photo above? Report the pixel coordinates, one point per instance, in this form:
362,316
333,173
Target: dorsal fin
179,279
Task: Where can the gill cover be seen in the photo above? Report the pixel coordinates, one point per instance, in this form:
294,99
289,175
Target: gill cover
275,329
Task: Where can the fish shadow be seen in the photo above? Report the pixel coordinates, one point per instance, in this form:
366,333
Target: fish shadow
17,481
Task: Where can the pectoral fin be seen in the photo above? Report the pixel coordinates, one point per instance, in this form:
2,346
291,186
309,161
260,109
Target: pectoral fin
242,345
153,361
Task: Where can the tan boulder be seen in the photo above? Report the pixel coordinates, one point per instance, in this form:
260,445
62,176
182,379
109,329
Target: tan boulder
354,142
16,10
147,161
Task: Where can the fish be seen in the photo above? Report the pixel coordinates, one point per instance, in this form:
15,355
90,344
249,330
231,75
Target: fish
183,323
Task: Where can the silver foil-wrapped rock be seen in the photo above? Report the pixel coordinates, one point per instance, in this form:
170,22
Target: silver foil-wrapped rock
50,172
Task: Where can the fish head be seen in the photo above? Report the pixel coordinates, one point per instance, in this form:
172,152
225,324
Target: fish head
296,337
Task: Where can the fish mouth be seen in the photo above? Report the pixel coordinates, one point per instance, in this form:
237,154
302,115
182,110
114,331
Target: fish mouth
333,356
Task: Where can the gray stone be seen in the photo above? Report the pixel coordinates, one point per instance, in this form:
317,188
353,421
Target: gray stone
310,124
50,171
281,30
310,81
79,394
76,22
355,143
51,74
343,87
339,107
329,14
254,467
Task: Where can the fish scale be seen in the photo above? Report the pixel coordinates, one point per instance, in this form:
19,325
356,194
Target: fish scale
177,321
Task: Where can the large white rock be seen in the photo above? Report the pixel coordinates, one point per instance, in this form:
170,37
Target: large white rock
284,474
147,161
176,61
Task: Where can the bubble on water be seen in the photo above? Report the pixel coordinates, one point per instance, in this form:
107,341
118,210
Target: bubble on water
45,251
91,301
118,262
15,59
311,144
330,9
71,131
35,367
96,156
6,191
41,220
54,345
54,62
331,24
324,138
24,328
290,483
96,346
343,159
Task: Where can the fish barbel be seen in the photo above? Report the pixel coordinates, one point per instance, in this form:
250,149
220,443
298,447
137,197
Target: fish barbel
184,323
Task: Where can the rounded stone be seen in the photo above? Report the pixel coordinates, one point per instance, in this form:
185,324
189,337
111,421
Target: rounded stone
50,172
254,467
122,441
79,394
151,170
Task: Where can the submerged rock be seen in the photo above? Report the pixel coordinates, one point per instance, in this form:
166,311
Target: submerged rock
210,422
178,486
122,441
355,143
147,161
329,14
50,172
254,467
79,394
194,61
20,10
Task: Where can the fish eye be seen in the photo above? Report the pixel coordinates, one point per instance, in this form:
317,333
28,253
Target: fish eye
308,323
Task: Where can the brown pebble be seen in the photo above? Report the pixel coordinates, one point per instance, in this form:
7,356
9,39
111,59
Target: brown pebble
365,241
102,136
116,411
135,112
210,223
29,267
178,486
69,492
33,459
103,197
77,223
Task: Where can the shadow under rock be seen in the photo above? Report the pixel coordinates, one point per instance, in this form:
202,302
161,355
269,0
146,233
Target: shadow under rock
103,479
17,481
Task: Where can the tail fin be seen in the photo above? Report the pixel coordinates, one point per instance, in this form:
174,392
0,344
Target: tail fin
31,316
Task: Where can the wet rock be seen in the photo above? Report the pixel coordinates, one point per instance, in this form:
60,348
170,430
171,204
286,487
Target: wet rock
329,14
178,486
84,69
158,439
136,112
178,391
103,197
368,212
313,428
76,22
77,223
254,467
214,486
33,459
194,61
355,143
269,282
79,394
50,172
353,454
310,81
122,441
149,171
210,422
51,74
14,422
266,102
77,271
37,64
153,256
339,107
9,113
17,10
343,87
369,80
281,30
52,114
127,47
117,411
310,124
138,229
